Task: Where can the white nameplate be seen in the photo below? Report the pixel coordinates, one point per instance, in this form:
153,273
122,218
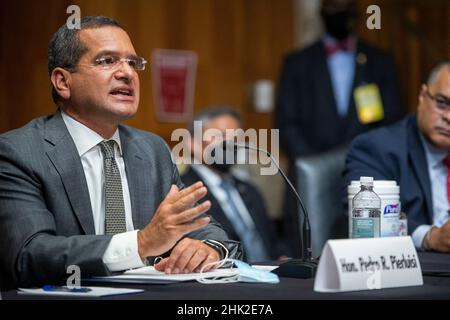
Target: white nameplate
365,264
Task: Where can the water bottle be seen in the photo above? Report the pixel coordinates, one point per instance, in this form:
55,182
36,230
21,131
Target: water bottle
366,211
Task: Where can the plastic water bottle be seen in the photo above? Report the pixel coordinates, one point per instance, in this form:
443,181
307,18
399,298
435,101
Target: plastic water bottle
366,211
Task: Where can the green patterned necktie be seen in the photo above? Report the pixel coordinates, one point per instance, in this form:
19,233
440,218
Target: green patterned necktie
114,206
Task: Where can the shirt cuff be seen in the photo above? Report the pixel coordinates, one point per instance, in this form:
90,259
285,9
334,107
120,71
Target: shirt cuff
419,234
219,247
122,252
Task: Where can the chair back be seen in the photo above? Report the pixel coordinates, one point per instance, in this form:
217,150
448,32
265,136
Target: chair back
319,179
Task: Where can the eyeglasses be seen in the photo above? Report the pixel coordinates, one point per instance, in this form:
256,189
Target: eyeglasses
442,104
111,62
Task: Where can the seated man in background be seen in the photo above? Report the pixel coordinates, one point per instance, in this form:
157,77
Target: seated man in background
235,203
79,188
415,153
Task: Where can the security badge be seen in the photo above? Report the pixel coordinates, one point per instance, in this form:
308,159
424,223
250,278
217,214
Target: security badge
368,99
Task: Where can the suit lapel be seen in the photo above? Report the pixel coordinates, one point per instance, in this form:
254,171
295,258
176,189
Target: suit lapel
137,176
63,154
419,163
352,122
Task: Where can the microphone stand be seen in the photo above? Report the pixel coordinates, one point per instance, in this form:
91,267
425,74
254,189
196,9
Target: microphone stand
305,267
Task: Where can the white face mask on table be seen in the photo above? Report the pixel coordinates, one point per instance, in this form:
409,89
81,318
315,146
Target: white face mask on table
237,271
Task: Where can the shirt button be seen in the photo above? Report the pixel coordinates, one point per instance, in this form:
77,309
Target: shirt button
128,251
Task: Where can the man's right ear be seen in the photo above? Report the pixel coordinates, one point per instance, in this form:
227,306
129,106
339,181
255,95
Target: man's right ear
423,93
61,82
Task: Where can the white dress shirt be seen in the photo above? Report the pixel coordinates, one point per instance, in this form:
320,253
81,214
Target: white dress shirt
437,171
341,66
122,251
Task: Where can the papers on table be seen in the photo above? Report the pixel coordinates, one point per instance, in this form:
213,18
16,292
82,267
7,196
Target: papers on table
93,292
149,275
265,268
152,276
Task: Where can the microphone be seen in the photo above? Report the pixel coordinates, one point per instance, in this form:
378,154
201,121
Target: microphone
305,267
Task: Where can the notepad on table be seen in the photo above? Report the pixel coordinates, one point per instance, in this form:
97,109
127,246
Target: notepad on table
150,275
93,292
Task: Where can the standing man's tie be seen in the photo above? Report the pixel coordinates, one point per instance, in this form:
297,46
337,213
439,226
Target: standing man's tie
114,207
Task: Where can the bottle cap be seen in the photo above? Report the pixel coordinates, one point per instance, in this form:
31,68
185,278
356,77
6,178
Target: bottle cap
387,188
366,181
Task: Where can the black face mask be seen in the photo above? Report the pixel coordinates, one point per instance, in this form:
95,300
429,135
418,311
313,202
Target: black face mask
339,25
219,163
222,167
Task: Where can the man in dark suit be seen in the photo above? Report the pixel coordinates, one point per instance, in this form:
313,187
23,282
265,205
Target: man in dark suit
235,202
79,188
316,110
415,153
323,93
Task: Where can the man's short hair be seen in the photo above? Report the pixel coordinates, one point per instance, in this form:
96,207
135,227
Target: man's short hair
436,70
213,112
65,48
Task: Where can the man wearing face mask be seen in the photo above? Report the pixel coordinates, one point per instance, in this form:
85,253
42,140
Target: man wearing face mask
324,89
316,108
235,203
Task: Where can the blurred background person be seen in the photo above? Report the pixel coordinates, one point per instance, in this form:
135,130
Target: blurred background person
236,203
329,92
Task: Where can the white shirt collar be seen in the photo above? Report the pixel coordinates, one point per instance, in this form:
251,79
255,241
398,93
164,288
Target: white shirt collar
85,138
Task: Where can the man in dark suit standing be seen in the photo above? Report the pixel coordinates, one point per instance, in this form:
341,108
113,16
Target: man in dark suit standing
79,188
317,109
235,202
415,153
331,91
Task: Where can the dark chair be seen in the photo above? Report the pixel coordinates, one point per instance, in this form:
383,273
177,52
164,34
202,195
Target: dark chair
319,180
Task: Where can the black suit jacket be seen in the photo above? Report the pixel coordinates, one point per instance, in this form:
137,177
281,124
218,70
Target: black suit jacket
306,111
255,205
395,153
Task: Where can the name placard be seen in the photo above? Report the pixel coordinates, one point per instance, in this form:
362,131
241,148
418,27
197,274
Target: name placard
366,264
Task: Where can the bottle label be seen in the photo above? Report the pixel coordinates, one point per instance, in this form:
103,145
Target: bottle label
389,226
402,227
364,228
392,209
389,220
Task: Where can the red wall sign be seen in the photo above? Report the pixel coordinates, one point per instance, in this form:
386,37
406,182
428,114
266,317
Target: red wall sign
173,73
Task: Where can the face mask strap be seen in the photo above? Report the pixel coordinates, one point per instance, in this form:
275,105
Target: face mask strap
226,263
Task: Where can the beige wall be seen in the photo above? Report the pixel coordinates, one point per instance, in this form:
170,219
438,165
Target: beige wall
237,42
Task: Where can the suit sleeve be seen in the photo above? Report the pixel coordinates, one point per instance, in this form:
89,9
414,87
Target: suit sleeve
365,158
287,112
32,253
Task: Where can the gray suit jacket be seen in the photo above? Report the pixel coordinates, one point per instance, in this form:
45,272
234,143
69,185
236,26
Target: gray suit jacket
46,220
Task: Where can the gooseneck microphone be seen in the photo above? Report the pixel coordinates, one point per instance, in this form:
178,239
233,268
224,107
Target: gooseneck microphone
305,267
